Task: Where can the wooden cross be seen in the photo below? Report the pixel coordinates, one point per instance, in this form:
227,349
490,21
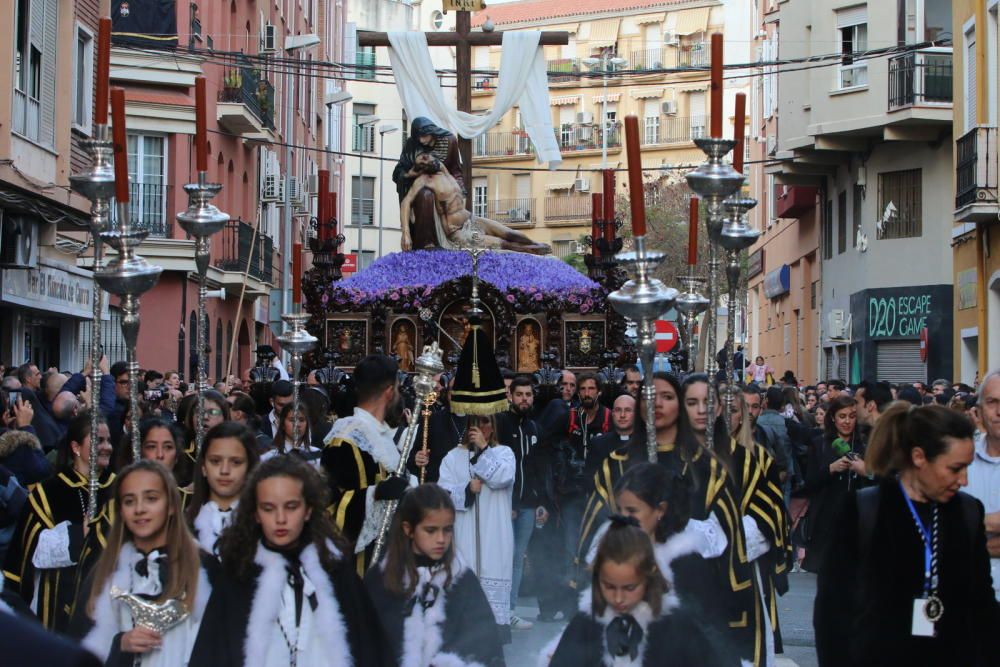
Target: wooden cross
463,39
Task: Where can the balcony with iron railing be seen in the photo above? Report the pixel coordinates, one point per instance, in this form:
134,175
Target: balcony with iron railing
669,57
976,176
664,130
518,211
562,70
26,115
921,78
246,101
572,137
567,208
239,251
147,208
500,144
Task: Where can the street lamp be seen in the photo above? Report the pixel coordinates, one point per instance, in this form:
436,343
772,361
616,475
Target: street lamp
336,98
364,121
382,130
604,65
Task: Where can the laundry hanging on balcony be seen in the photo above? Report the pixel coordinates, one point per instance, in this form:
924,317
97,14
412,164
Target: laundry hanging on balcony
522,81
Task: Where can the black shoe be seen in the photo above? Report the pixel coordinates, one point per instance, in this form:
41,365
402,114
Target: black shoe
546,617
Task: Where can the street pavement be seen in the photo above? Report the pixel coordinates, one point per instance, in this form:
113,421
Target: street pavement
795,609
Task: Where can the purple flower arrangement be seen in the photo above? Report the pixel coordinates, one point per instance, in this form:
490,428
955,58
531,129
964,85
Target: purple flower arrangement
405,280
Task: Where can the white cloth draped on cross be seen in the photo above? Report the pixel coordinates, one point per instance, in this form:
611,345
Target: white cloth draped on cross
522,81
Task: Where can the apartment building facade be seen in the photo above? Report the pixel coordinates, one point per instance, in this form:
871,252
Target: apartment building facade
647,58
976,208
862,151
266,119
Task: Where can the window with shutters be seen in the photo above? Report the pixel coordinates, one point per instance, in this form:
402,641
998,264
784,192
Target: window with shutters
147,178
970,78
899,197
852,32
696,109
364,135
828,230
83,77
479,196
362,200
365,63
33,113
842,222
859,194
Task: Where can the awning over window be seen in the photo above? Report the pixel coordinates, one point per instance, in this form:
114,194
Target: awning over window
650,18
564,101
647,93
559,186
691,21
603,33
612,97
692,87
571,28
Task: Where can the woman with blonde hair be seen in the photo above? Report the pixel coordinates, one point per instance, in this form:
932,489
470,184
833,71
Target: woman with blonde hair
479,477
151,557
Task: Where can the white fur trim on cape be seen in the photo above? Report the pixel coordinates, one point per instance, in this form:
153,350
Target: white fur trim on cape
209,523
643,615
676,546
106,616
267,601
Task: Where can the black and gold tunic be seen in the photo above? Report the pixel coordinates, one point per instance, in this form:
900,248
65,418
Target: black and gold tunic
51,592
712,494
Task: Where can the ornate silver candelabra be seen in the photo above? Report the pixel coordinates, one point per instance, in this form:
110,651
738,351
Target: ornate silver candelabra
690,304
201,220
98,185
736,236
644,299
713,181
296,341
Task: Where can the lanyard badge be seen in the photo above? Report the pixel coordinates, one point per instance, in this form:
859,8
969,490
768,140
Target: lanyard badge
929,609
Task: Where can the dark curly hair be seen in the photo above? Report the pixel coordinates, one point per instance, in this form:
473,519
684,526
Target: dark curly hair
238,543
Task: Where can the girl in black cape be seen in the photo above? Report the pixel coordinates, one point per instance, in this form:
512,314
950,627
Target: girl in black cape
287,595
430,604
630,617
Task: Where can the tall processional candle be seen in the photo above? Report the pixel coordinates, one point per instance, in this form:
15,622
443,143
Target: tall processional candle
120,142
201,123
715,108
693,231
739,129
103,71
609,205
296,273
636,191
595,222
333,214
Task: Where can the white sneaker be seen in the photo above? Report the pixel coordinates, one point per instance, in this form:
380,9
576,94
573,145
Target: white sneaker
518,623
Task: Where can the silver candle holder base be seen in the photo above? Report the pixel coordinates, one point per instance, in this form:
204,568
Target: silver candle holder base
202,220
296,341
98,185
690,304
644,300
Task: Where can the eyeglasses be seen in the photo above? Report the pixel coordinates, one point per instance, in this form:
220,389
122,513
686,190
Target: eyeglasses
213,412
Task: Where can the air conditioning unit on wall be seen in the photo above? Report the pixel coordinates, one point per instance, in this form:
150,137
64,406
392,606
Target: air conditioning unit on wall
836,324
18,242
581,184
670,108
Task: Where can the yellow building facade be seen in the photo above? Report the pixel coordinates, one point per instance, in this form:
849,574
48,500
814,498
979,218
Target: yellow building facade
644,61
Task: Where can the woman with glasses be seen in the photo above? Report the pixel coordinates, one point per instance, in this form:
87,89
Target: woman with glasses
42,560
479,476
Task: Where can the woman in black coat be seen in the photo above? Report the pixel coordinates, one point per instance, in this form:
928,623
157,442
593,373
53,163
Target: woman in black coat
875,602
836,466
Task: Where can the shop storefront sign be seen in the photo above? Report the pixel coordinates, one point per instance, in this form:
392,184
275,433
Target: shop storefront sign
777,282
898,316
53,287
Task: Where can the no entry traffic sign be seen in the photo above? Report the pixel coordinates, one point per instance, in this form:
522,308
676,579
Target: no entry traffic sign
666,336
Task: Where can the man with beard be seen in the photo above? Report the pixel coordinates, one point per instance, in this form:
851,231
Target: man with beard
632,382
360,454
532,493
457,226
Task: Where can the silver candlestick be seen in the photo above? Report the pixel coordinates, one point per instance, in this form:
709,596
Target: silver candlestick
690,304
644,300
98,185
713,181
736,236
129,276
201,220
296,341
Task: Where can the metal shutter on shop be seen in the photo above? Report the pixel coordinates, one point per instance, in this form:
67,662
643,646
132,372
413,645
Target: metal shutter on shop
899,361
842,363
836,366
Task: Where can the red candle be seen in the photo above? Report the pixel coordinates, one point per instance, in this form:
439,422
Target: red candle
636,191
120,143
609,194
716,89
739,129
296,273
201,123
333,214
693,231
595,222
322,202
103,71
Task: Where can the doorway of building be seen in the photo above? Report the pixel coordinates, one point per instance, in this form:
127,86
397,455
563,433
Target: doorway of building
41,342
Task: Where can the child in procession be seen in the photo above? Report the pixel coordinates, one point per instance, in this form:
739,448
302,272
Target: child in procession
430,603
227,458
630,617
287,595
152,556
